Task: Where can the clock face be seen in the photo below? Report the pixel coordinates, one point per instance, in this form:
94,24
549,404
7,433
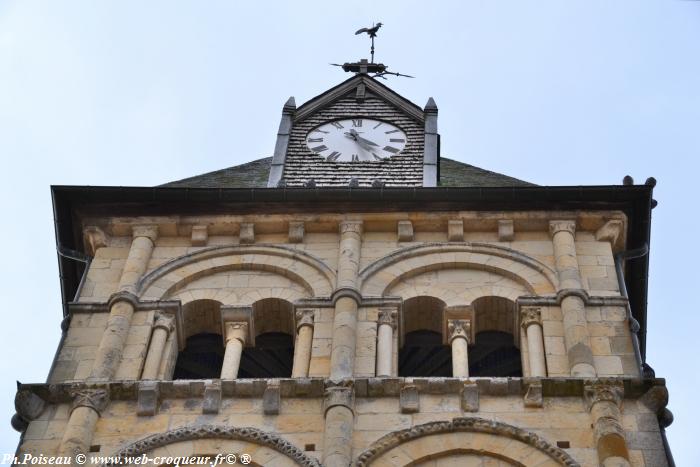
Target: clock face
356,140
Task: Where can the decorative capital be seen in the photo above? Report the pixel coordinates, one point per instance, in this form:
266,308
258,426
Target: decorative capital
354,227
459,328
387,316
164,321
603,390
562,226
304,317
236,330
148,231
96,399
530,315
339,396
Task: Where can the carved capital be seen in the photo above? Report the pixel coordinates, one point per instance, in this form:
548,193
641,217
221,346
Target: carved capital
236,330
339,396
387,316
350,227
304,317
530,315
459,328
148,231
164,321
562,226
603,390
96,399
28,405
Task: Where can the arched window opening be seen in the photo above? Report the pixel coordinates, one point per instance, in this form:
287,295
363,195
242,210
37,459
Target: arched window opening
495,351
201,358
424,352
204,348
273,353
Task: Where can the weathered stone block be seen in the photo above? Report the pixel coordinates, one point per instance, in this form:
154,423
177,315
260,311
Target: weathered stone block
148,394
470,397
533,396
296,232
200,235
211,402
455,230
247,233
505,230
405,231
409,400
271,400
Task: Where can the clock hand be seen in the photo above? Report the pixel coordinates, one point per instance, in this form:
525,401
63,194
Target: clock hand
364,143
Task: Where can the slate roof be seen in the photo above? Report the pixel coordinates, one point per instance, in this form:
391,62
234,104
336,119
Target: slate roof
254,175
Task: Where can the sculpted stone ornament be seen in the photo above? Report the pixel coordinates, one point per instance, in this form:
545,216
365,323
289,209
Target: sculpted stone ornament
562,225
463,424
459,328
96,399
387,316
304,317
530,315
193,433
603,390
164,321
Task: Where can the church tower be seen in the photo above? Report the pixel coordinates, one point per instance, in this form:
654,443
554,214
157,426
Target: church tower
356,299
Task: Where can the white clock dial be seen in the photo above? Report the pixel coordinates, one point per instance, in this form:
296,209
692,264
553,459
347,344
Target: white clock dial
356,140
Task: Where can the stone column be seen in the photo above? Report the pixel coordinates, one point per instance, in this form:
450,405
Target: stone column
347,299
459,331
531,321
122,304
304,341
573,308
88,404
161,330
236,333
604,398
385,341
337,436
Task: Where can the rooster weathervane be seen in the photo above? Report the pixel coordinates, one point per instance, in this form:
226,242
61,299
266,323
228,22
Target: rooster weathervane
378,70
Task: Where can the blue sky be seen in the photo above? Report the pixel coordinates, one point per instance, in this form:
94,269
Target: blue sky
577,92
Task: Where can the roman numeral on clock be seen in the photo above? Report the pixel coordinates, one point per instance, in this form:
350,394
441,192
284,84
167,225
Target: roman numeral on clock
357,122
315,140
320,148
337,125
332,157
391,149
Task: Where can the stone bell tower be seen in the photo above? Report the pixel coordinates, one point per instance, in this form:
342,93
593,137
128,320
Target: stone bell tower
356,299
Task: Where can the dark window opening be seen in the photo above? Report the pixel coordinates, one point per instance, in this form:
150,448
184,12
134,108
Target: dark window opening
202,357
494,354
272,357
423,354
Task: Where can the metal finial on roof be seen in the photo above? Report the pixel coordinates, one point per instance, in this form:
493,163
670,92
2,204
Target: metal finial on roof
377,70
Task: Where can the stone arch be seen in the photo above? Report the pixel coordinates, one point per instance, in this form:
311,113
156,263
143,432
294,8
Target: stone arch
469,434
380,276
311,273
267,449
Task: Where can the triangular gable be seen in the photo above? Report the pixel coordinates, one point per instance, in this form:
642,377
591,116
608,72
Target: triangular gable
350,85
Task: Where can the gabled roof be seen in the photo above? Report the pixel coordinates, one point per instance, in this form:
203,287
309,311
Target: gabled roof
254,175
331,95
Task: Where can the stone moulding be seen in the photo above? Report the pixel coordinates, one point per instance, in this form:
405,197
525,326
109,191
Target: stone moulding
193,433
545,272
463,424
273,251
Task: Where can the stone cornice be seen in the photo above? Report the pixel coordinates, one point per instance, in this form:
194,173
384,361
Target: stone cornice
595,300
363,387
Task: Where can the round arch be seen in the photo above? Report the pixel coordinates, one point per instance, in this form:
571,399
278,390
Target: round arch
468,435
311,273
380,276
266,449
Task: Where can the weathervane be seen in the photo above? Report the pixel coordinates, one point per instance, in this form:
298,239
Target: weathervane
378,70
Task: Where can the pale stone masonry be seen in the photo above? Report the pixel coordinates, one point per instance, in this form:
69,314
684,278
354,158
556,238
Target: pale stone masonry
374,326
